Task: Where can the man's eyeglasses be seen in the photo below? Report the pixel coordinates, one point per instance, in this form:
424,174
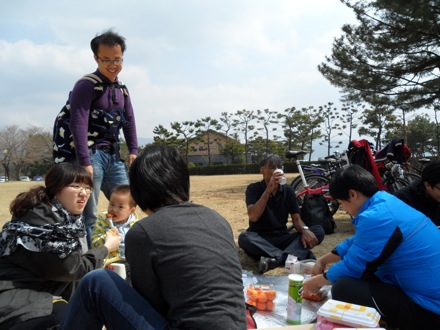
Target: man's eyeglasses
108,62
435,186
78,188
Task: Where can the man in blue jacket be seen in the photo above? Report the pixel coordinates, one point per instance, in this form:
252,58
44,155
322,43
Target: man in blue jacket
392,263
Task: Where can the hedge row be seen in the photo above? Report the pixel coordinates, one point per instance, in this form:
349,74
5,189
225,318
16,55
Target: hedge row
237,169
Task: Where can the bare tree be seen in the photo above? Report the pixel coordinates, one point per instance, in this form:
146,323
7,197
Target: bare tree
187,130
267,118
242,124
205,126
11,140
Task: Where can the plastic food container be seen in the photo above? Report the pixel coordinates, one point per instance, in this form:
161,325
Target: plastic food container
352,315
305,266
261,296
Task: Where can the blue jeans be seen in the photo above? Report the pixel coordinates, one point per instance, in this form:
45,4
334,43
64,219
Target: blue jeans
107,174
104,298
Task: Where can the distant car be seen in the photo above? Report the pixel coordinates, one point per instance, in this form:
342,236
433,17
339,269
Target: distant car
38,178
24,178
4,178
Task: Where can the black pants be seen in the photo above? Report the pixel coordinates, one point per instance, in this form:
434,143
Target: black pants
277,245
51,321
395,307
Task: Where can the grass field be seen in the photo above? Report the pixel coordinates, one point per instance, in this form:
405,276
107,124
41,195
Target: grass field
225,194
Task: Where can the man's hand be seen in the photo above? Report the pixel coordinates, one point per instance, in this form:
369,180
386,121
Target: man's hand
308,239
131,159
315,283
112,239
89,168
274,181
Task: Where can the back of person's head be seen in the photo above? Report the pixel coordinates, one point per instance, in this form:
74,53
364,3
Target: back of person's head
352,177
107,38
431,173
58,177
273,159
124,189
159,177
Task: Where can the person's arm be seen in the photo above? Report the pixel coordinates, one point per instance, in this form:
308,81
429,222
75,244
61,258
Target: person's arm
322,263
256,210
308,238
130,130
316,282
81,100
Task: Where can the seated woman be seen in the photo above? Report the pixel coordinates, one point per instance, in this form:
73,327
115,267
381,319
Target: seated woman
43,250
184,263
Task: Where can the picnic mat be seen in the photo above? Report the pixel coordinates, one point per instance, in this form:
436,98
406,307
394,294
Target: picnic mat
277,317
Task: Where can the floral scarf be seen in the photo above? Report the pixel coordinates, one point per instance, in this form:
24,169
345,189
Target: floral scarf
61,238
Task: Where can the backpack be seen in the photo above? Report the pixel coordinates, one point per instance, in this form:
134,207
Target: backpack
103,124
359,153
315,211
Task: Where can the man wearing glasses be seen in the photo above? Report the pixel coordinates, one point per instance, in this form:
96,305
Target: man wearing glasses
97,113
424,193
269,204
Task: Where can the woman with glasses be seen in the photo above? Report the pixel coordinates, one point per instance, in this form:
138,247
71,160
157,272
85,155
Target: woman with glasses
43,249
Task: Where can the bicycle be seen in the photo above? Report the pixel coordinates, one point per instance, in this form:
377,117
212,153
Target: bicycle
310,184
394,177
331,164
416,170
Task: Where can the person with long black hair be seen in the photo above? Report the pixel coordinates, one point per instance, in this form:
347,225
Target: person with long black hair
43,249
184,263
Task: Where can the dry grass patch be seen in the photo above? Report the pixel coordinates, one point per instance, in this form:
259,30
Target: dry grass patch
225,194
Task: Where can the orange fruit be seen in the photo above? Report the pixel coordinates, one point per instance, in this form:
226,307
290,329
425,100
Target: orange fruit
252,293
252,302
271,294
261,306
262,297
270,305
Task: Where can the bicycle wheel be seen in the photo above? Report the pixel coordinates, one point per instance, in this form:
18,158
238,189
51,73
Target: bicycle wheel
411,177
314,181
394,184
298,181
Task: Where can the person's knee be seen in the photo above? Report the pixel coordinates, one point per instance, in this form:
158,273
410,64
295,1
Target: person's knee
242,240
344,288
319,232
96,278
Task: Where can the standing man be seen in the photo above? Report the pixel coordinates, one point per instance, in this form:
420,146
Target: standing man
96,119
424,194
269,205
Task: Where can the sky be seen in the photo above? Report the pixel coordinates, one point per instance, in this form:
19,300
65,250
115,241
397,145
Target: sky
185,59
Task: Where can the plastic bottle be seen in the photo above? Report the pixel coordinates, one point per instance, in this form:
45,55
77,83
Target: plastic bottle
109,217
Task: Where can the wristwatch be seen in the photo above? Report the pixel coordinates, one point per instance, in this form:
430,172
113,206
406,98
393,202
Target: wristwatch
305,228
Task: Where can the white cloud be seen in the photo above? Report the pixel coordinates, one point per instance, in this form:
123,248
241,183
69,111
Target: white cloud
185,60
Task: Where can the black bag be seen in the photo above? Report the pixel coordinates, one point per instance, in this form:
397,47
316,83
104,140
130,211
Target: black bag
102,124
315,211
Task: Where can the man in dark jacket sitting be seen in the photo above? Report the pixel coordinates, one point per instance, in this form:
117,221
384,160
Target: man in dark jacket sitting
424,193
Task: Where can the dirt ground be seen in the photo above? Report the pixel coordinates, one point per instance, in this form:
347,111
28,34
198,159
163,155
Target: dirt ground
225,194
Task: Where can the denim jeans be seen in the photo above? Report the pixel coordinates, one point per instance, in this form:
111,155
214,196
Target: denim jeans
104,298
107,174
